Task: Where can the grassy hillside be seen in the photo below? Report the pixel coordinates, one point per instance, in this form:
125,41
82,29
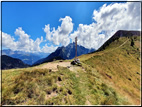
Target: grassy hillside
108,77
119,64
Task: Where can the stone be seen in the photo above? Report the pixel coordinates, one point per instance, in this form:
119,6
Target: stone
75,62
68,66
50,70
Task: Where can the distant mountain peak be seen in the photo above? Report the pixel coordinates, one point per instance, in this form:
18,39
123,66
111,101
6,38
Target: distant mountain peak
67,52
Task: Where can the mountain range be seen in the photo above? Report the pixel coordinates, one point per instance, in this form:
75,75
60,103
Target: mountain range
67,52
26,57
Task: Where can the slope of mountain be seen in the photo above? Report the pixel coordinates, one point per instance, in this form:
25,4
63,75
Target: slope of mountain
9,62
67,52
26,57
117,35
108,77
118,62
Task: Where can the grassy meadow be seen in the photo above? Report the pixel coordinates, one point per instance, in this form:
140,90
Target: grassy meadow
108,77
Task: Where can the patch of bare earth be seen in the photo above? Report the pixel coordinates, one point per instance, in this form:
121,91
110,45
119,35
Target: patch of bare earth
53,65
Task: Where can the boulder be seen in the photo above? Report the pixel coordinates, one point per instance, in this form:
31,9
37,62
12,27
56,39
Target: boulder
76,62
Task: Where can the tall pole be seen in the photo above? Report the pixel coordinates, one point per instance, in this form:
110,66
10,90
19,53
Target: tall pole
75,47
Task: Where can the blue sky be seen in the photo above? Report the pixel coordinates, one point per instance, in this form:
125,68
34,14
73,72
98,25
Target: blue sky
33,16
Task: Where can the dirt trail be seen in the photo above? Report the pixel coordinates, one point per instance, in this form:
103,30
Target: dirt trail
53,66
102,52
114,48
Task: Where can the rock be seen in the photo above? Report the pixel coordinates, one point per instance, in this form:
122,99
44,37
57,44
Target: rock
75,62
68,66
50,70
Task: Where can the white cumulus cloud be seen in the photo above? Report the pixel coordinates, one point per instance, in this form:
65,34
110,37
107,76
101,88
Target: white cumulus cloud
49,49
88,36
24,42
8,41
61,34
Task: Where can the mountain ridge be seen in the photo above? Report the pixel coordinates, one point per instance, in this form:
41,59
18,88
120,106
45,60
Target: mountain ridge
26,57
9,63
117,35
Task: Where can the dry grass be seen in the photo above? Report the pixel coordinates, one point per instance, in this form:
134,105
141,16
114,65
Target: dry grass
44,87
105,78
121,67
